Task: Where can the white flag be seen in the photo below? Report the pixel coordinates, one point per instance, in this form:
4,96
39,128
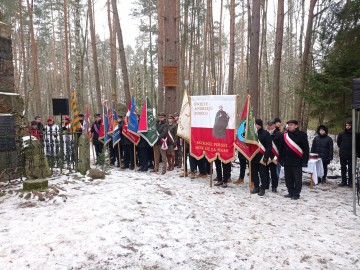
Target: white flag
183,130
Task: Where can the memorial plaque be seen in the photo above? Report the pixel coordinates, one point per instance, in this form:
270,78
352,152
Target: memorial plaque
7,133
170,76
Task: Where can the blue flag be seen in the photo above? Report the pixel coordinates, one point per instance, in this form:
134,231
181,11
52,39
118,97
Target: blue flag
133,124
116,133
105,138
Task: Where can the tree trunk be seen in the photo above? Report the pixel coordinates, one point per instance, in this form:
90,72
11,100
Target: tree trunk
212,48
171,50
112,53
23,59
232,48
95,60
304,64
277,59
254,56
161,53
67,65
34,57
124,70
78,88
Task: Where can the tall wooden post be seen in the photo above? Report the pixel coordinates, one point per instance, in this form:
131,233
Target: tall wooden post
171,54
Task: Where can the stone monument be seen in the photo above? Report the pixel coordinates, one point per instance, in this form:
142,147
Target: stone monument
11,110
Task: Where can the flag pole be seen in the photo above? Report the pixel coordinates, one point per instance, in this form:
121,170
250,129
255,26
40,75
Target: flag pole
134,158
211,174
184,150
250,176
155,169
109,154
119,156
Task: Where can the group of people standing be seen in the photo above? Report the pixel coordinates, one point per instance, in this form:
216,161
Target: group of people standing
166,149
288,148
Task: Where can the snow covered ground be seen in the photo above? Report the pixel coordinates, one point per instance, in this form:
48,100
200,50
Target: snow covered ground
146,221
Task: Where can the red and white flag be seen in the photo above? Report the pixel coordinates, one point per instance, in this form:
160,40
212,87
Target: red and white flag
213,127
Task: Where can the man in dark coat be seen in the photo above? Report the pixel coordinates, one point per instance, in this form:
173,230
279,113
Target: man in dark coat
40,127
95,130
323,145
276,137
344,142
293,156
221,122
260,161
160,146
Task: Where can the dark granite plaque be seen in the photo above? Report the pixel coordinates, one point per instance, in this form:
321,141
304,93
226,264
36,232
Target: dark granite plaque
7,133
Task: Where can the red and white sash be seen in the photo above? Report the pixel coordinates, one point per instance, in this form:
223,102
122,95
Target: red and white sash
170,137
262,148
275,150
292,145
164,145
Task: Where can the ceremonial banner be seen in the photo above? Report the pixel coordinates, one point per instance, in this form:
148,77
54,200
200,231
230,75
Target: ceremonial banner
75,123
133,124
147,125
183,130
248,150
116,131
213,127
104,137
134,137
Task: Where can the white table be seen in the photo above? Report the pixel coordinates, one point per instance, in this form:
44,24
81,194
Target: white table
314,168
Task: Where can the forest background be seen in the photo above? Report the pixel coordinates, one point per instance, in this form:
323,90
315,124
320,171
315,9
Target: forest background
296,58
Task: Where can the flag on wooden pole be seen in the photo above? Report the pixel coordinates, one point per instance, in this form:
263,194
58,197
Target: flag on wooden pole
184,124
249,150
116,131
75,123
147,125
134,137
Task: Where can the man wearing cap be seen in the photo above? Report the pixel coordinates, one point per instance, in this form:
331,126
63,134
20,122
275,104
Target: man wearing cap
172,142
293,156
344,142
276,138
278,126
67,138
260,161
161,145
95,130
51,138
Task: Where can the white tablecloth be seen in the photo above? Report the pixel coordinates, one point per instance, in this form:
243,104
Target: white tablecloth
315,167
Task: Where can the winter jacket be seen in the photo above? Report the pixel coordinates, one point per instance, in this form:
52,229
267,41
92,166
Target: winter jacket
344,143
265,139
288,157
173,131
277,138
162,128
323,145
94,131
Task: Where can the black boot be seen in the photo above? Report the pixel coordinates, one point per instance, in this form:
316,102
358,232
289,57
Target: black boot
261,192
255,190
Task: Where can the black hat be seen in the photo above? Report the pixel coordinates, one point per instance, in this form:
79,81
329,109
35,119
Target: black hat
271,122
259,122
97,115
293,121
33,123
37,117
277,120
162,114
81,115
349,122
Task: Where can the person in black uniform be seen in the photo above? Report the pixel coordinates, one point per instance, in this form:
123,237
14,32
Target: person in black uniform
243,162
276,137
344,142
294,155
95,130
261,159
323,145
223,173
128,148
